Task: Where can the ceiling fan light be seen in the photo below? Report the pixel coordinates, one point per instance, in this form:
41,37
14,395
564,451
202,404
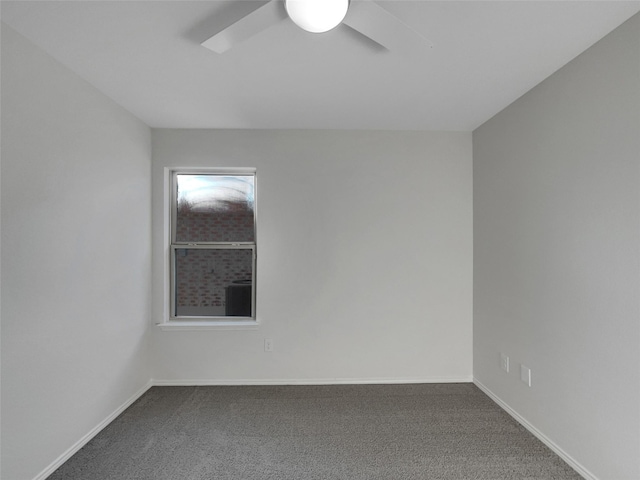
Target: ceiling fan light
317,16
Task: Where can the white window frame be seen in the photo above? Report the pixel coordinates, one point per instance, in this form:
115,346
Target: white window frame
172,321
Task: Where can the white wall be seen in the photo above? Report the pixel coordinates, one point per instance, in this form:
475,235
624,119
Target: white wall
75,257
557,255
364,257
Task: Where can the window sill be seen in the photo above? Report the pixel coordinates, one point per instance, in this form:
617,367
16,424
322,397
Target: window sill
209,325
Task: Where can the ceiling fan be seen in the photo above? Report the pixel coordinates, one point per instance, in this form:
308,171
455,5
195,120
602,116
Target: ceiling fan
318,16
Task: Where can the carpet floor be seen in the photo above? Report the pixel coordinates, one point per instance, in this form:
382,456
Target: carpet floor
344,432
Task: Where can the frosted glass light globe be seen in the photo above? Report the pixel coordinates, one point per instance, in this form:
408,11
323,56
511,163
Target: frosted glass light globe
317,16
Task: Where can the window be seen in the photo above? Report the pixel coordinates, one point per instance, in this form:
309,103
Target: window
213,245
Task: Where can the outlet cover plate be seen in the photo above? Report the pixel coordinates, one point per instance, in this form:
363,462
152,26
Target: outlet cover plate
504,362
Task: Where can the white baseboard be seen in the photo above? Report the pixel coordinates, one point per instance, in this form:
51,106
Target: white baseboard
573,463
308,381
92,433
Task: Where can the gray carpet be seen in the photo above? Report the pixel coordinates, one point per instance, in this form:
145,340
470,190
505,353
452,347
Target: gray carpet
354,432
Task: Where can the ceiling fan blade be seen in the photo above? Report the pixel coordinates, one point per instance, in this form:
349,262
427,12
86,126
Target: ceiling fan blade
381,26
257,21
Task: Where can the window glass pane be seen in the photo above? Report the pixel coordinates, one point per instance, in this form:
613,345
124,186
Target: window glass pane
213,282
215,208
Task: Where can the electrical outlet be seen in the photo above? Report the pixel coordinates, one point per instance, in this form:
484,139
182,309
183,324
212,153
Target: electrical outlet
504,362
525,375
268,345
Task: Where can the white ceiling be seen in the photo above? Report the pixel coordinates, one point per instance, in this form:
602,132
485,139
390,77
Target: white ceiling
146,55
